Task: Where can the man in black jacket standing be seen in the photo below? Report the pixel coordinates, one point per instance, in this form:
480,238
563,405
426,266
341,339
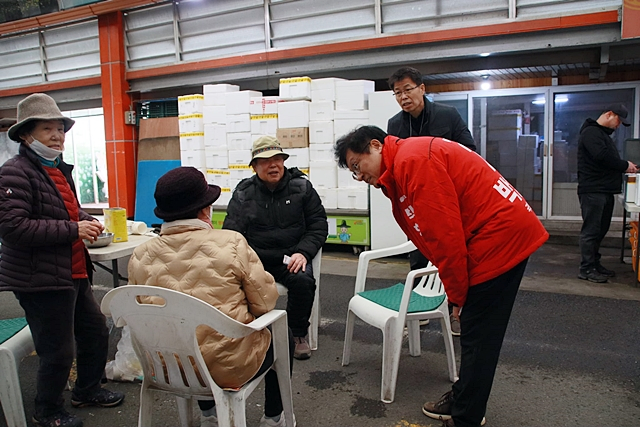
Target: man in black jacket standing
281,215
421,117
600,170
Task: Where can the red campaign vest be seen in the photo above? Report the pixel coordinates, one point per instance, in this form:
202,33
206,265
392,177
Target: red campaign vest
78,261
458,210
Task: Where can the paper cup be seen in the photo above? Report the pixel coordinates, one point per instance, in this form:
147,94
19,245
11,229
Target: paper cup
136,227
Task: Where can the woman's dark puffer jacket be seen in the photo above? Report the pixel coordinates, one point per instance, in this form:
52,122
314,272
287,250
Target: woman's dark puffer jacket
35,228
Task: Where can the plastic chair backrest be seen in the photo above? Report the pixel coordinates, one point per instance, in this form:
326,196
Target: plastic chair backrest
164,336
430,285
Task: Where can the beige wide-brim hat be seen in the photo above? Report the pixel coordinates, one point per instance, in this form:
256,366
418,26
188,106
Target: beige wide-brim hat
266,147
38,106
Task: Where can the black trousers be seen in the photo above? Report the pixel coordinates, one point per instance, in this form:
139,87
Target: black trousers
597,209
64,323
301,291
483,323
417,260
272,397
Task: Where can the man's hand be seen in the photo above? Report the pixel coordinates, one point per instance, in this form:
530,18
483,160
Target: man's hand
632,168
89,230
297,262
456,312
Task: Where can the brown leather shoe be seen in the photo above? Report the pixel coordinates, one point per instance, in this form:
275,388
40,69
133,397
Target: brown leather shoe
302,351
441,410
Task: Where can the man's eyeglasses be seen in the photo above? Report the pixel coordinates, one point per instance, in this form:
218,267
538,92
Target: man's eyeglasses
355,171
398,94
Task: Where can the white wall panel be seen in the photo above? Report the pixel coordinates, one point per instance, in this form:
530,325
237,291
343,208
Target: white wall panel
203,30
538,8
69,52
310,22
399,16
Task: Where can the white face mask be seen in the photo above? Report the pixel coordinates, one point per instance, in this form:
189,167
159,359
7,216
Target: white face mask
44,151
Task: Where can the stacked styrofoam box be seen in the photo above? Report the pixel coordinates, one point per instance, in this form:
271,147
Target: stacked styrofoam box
239,138
264,116
215,137
322,168
191,128
293,112
294,88
227,135
352,111
337,107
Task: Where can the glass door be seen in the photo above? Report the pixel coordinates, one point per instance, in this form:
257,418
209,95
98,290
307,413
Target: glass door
509,130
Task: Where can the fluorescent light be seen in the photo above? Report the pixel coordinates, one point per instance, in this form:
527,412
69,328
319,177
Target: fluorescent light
558,99
484,55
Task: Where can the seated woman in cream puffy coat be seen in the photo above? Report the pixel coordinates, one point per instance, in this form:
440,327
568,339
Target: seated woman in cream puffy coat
220,268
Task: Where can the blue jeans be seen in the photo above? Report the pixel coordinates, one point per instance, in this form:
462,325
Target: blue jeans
597,209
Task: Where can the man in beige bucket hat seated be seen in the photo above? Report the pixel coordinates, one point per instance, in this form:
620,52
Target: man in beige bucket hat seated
281,216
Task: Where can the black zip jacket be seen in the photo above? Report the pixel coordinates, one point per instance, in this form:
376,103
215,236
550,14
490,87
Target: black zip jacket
285,221
600,167
436,120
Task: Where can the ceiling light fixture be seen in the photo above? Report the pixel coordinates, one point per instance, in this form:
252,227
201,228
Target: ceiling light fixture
485,85
484,55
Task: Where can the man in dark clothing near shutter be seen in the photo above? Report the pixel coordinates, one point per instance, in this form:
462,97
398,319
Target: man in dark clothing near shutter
600,170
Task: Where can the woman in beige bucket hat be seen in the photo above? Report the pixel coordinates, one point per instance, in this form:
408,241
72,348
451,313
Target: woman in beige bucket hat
43,260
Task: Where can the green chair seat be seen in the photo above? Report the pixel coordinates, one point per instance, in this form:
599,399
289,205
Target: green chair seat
10,327
390,298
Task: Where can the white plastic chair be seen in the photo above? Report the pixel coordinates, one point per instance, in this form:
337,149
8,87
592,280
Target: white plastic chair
11,352
392,322
163,334
314,320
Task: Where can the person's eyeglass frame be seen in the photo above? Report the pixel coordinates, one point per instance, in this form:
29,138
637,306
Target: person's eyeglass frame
355,171
406,91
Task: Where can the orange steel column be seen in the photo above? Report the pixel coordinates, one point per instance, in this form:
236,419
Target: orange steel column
120,137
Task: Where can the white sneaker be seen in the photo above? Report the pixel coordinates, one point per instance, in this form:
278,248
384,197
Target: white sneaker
210,421
270,422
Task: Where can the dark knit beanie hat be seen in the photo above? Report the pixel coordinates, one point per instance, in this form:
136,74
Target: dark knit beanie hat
181,192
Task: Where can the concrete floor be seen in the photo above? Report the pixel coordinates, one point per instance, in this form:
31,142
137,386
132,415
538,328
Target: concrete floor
570,357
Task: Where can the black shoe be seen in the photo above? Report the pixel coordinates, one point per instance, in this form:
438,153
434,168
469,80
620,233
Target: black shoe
59,419
100,397
592,275
605,271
